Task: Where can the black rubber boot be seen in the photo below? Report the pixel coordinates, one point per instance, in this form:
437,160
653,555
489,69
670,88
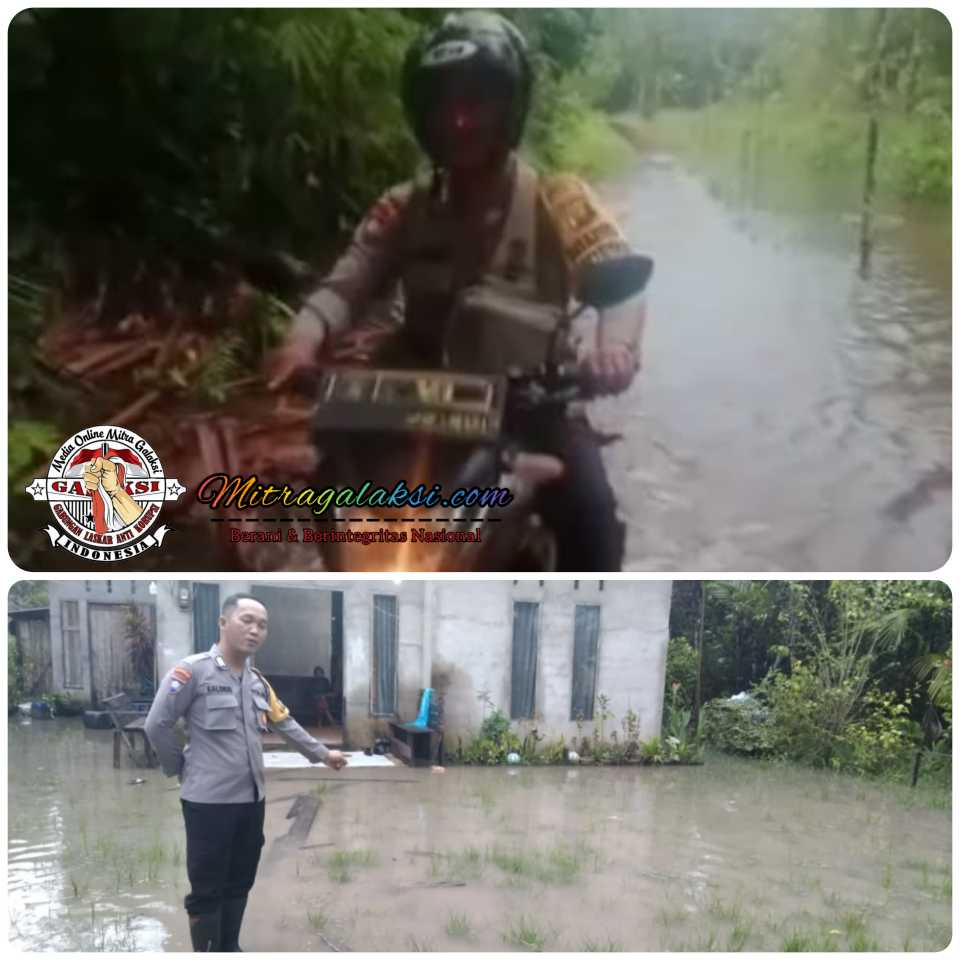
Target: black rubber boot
232,920
205,932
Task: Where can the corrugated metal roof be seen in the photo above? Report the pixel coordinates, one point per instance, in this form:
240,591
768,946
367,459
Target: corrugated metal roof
29,611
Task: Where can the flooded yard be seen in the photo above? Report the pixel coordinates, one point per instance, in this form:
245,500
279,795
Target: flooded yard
727,856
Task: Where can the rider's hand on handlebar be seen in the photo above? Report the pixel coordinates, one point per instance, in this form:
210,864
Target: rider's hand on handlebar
610,369
296,357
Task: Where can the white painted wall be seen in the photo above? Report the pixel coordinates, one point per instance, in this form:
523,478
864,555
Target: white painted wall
412,664
456,636
174,626
473,646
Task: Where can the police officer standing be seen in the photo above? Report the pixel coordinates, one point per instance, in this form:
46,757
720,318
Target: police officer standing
227,706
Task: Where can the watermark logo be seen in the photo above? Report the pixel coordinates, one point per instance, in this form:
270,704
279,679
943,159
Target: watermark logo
105,487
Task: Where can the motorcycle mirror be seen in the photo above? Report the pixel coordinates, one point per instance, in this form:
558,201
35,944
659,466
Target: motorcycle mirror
604,269
605,283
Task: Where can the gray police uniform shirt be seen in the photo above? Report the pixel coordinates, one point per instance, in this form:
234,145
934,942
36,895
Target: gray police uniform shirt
225,717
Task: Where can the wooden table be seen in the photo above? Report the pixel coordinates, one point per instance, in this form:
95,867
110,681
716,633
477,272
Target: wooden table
132,729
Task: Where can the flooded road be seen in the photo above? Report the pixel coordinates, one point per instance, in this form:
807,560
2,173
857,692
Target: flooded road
791,415
730,855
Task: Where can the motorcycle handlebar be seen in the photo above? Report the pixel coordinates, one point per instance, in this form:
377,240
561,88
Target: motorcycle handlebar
547,385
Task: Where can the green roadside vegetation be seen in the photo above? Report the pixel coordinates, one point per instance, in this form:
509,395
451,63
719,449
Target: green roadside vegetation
853,677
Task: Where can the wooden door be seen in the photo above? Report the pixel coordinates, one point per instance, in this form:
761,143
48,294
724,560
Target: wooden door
111,669
33,640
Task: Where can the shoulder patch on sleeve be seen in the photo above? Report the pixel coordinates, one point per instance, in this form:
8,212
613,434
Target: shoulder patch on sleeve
182,674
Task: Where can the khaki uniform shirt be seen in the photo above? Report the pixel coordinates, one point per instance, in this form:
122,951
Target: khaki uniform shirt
370,272
225,717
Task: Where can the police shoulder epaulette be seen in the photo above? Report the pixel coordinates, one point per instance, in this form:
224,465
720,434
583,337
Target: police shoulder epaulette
197,657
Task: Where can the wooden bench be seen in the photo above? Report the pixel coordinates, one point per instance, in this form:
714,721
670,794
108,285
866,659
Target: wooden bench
417,745
132,730
127,725
414,744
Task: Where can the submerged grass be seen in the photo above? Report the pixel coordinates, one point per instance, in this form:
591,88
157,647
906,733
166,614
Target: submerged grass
739,935
671,916
601,946
340,863
458,926
798,942
355,858
559,865
460,866
526,935
848,932
732,912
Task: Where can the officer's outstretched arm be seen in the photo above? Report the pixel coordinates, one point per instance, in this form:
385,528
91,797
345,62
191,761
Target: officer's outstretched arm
280,720
176,692
299,739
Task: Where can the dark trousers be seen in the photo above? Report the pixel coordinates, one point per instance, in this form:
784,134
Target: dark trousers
224,841
581,508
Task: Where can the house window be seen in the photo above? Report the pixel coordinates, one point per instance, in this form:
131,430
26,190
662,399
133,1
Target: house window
206,616
383,700
70,633
586,633
523,677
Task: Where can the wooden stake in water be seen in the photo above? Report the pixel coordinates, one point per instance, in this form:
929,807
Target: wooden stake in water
755,171
870,183
745,139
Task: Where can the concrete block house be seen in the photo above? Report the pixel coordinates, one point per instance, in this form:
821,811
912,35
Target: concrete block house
541,651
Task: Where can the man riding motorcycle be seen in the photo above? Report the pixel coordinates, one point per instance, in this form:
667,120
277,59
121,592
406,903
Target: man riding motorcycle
479,262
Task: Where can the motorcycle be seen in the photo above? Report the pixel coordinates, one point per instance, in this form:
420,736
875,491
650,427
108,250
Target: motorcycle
363,421
449,430
375,425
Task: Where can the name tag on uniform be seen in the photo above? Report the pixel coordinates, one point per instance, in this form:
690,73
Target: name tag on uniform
217,688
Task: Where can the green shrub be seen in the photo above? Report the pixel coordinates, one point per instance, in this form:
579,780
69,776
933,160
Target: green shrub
651,751
798,718
64,705
494,741
681,670
737,726
800,712
554,752
881,741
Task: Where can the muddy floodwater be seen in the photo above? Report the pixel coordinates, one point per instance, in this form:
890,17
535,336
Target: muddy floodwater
729,855
791,414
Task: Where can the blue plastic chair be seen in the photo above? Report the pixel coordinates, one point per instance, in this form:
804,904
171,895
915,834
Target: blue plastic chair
423,716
